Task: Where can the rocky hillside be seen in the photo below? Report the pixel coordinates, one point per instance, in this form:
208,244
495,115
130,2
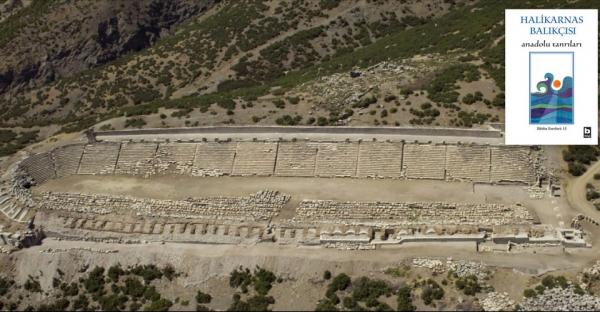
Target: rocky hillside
236,44
115,64
46,40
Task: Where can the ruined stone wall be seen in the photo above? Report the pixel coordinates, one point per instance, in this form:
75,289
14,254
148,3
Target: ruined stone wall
412,213
260,206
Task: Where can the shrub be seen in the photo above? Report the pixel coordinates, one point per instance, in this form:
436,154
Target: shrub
81,303
202,297
365,288
469,99
135,306
288,120
133,287
592,194
7,136
151,294
254,303
5,285
390,97
431,291
583,154
442,88
263,281
169,272
329,4
326,275
114,272
70,290
135,122
499,100
322,121
365,102
405,299
148,272
144,95
349,303
240,278
529,293
340,282
279,104
159,305
113,302
469,285
106,127
95,280
326,305
576,169
550,281
226,103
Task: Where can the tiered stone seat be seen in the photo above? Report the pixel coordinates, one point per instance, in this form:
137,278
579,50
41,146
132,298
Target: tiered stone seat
99,158
7,204
296,159
470,163
253,158
13,209
424,161
379,159
214,158
39,167
337,159
512,164
136,159
67,159
175,157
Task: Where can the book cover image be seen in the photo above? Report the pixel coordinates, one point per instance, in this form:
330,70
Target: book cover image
551,77
551,88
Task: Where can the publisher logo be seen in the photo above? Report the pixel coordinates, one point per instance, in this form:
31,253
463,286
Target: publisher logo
587,132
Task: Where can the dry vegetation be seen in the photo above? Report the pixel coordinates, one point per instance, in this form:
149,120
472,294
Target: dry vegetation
241,62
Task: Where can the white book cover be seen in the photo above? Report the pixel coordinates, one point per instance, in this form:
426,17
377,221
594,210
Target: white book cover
551,77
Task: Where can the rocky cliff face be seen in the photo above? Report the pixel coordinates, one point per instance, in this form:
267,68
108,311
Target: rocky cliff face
11,7
51,39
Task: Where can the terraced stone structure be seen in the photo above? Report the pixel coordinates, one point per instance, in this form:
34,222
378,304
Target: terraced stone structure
395,160
270,215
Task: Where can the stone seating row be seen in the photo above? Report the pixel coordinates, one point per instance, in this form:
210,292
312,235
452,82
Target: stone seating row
475,163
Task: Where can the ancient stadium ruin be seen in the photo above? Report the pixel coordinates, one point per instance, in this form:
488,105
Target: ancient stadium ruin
309,187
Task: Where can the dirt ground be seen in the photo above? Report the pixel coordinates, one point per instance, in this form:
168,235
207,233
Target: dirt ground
206,267
181,187
549,210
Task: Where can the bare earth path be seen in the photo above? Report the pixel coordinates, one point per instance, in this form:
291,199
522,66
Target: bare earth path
345,189
576,192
